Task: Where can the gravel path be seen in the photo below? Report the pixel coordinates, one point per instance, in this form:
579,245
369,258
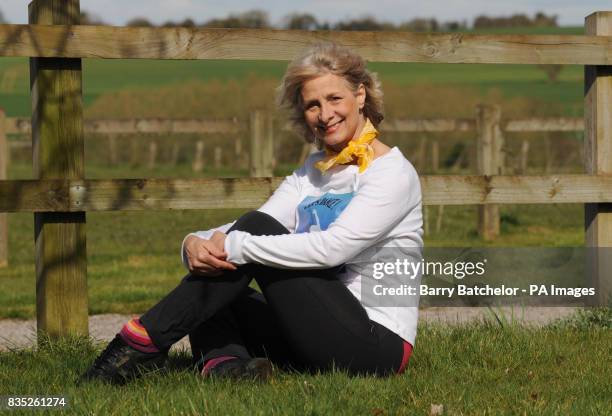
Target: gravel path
16,334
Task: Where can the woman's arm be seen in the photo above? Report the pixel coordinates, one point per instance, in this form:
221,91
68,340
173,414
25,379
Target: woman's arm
385,197
281,206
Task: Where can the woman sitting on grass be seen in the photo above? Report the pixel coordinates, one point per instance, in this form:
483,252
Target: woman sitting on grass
300,247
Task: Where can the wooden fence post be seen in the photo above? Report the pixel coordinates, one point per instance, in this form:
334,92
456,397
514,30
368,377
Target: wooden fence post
198,160
524,157
435,156
4,161
238,148
58,153
490,162
439,219
218,157
112,149
421,155
134,151
598,161
272,145
240,160
262,145
548,157
176,150
152,154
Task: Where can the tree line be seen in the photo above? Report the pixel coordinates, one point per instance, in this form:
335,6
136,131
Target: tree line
304,21
255,19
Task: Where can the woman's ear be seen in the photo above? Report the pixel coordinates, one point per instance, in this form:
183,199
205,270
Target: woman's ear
361,96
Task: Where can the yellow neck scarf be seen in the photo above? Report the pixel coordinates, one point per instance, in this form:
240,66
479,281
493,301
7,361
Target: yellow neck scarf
359,149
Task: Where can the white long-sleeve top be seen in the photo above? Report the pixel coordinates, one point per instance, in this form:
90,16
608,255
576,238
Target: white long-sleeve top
335,217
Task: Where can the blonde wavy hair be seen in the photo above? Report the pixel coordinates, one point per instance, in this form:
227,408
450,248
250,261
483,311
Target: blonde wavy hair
321,59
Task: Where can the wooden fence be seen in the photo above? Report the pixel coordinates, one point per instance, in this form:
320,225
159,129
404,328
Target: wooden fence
260,165
60,196
488,126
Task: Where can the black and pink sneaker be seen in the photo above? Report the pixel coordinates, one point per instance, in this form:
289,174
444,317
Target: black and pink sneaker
119,363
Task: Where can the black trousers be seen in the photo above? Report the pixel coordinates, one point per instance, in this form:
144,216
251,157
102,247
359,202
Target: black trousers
303,319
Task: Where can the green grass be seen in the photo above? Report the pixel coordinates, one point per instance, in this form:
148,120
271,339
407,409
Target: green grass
133,259
105,76
473,369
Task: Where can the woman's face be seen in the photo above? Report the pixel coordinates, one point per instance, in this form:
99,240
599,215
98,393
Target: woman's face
331,109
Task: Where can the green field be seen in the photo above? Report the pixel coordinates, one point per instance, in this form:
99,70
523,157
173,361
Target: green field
106,76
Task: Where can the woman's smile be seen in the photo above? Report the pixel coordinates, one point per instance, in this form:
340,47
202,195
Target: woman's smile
333,127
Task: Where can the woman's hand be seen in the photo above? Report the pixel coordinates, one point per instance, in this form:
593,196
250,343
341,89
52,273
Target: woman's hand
218,240
207,257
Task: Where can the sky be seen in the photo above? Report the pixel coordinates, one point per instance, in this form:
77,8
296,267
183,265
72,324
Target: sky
118,12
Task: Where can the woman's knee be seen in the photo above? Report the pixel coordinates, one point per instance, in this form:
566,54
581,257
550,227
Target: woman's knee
259,223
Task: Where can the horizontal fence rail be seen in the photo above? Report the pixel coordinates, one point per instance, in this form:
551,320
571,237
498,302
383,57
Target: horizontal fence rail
19,125
543,124
75,41
469,124
163,194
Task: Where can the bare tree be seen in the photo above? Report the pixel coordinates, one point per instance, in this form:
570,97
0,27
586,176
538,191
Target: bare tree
420,25
2,17
185,23
228,22
139,22
542,19
454,26
516,20
300,21
253,19
91,19
367,23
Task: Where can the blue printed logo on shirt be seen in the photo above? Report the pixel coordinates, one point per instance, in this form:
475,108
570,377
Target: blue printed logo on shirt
317,213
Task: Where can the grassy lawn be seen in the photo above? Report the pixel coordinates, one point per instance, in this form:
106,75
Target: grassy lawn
475,369
102,77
